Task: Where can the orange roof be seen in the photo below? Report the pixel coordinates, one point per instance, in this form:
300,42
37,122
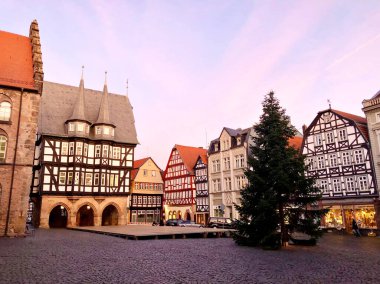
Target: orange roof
204,159
138,163
295,142
16,61
353,117
190,155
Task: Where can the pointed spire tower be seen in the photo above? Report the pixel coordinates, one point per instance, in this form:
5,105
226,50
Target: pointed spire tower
103,126
78,125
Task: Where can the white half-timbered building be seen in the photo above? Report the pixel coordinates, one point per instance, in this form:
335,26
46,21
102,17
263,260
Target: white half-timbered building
179,186
202,204
84,157
338,154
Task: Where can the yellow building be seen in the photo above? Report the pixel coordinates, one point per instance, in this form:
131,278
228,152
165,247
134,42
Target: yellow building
147,191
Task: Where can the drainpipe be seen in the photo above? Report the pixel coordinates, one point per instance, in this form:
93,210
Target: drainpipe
13,165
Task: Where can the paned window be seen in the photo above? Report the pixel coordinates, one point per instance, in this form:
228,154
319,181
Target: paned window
96,179
363,183
227,182
310,164
85,148
116,152
98,130
79,148
5,111
358,154
62,177
227,163
321,162
336,185
342,135
106,130
318,139
71,148
350,184
88,179
65,147
346,161
3,148
71,126
153,173
103,179
216,147
80,127
323,185
329,137
70,178
105,151
333,160
97,151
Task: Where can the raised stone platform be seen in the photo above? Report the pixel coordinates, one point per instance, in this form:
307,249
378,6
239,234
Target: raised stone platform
146,232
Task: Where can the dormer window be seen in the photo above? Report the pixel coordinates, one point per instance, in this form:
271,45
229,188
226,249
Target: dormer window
80,127
106,130
238,140
71,126
87,128
112,131
216,147
98,130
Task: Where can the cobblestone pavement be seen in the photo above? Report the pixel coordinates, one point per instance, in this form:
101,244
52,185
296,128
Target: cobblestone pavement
64,256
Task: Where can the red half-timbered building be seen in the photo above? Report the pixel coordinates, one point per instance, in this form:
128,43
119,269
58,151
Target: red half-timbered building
179,185
84,157
338,153
202,194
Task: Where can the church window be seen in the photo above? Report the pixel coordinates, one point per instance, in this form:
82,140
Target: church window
65,146
5,111
3,148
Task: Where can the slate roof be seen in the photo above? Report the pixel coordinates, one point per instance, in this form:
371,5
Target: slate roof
234,133
57,104
16,62
189,155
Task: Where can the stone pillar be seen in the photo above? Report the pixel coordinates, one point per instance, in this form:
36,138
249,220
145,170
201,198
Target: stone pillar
34,36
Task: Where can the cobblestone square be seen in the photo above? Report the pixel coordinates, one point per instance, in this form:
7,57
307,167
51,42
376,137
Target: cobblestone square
65,256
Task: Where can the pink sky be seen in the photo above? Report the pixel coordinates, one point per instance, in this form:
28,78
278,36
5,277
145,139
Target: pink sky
197,66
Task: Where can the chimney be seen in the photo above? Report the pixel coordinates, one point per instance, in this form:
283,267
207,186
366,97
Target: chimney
34,36
304,127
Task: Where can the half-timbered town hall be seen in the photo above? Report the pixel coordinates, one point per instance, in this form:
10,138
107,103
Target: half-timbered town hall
179,186
21,81
84,157
337,149
147,192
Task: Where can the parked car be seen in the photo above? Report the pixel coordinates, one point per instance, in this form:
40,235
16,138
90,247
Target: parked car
173,222
188,223
220,222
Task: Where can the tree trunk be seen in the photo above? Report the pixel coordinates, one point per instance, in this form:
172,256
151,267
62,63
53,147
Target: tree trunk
284,233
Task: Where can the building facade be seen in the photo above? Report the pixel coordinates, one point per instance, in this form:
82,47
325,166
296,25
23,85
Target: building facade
21,82
227,161
84,157
202,204
179,185
337,149
147,192
371,109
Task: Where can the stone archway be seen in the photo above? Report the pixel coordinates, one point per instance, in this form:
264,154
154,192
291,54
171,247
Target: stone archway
58,217
85,216
110,216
